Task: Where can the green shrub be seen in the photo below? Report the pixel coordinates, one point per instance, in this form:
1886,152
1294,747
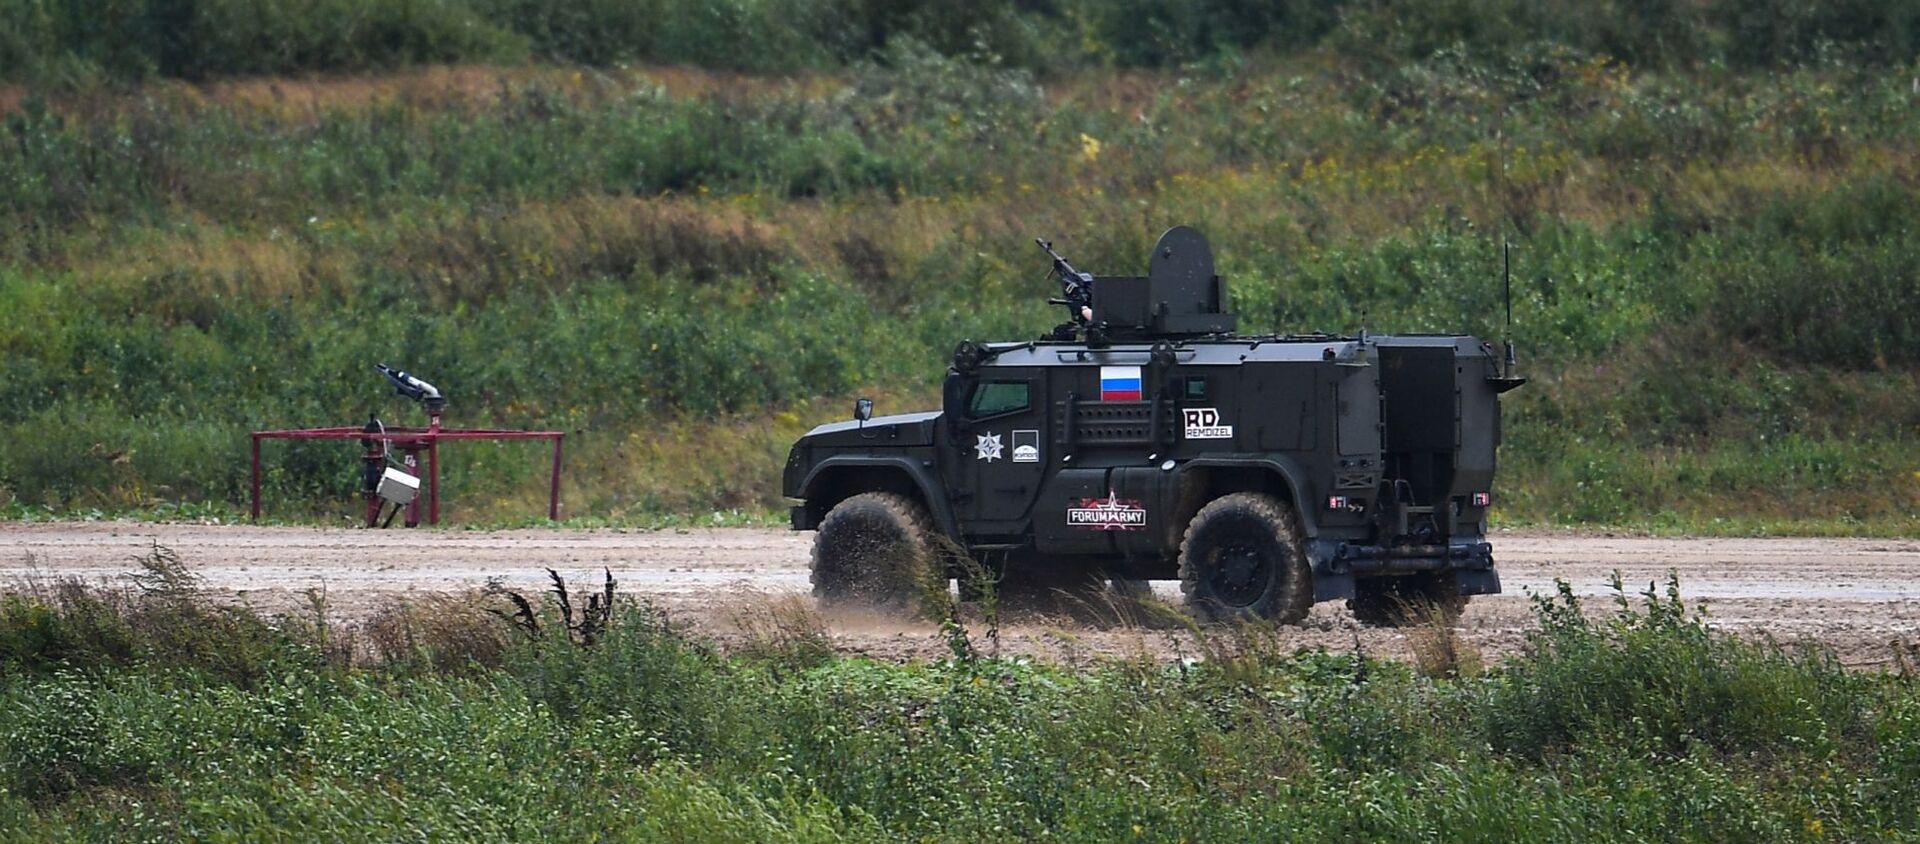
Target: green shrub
58,741
641,690
76,629
1829,281
1644,724
198,38
1662,679
1897,736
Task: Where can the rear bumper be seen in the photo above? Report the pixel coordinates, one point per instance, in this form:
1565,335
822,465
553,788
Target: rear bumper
1336,564
1458,553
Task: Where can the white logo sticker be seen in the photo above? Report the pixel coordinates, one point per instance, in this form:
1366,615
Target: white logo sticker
1203,423
1110,513
987,447
1026,446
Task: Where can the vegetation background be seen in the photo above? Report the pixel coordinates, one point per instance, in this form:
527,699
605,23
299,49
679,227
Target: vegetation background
686,231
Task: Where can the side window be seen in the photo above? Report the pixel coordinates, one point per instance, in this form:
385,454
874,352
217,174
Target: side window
1194,388
993,398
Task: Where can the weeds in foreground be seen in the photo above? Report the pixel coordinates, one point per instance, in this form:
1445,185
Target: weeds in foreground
785,630
448,635
164,575
156,617
1437,647
583,628
1237,652
1692,735
1657,672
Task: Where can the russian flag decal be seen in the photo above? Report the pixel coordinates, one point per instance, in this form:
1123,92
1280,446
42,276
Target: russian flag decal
1119,383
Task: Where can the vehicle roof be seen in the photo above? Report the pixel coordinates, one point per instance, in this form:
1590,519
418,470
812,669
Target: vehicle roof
1210,351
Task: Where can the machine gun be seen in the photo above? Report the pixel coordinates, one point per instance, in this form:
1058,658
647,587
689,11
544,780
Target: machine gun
1180,296
1076,287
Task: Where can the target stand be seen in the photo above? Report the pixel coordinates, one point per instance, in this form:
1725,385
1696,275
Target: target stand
400,485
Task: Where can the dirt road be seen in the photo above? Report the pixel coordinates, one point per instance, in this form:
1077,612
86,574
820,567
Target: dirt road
1858,595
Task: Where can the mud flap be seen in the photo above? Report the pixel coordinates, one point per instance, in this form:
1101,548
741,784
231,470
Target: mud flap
1478,581
1328,586
1332,580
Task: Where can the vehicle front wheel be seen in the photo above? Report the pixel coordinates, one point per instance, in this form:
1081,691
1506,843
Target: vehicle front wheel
1244,557
875,550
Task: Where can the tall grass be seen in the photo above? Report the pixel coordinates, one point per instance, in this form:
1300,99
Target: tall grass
1645,723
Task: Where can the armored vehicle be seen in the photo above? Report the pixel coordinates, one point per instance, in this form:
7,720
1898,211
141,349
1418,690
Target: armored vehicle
1145,440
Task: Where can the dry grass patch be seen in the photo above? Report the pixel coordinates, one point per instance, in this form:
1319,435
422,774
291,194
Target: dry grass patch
785,629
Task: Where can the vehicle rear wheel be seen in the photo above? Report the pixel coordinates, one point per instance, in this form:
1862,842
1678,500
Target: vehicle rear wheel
875,550
1244,557
1419,598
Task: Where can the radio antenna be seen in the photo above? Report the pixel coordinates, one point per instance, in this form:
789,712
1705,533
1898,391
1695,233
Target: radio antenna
1506,272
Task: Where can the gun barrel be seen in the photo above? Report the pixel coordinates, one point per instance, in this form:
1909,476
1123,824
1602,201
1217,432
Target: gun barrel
1075,286
1068,275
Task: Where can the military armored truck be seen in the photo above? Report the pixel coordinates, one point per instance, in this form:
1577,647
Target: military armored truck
1145,440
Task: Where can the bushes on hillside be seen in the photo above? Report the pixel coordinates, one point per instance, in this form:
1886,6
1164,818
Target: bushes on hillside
44,39
193,39
1704,259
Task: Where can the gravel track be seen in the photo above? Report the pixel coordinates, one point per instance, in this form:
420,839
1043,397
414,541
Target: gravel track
1857,595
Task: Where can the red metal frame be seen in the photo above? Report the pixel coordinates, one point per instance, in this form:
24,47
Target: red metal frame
412,441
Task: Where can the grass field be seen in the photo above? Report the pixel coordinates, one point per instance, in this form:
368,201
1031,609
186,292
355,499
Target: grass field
144,712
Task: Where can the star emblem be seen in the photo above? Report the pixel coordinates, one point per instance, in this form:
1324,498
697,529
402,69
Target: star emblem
1110,513
987,447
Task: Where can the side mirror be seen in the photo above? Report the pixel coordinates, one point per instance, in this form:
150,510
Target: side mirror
954,393
863,409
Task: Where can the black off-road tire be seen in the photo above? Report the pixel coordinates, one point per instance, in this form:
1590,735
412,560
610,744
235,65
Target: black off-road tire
875,550
1244,557
1412,599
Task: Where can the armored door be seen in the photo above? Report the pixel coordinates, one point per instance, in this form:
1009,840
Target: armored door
1002,455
